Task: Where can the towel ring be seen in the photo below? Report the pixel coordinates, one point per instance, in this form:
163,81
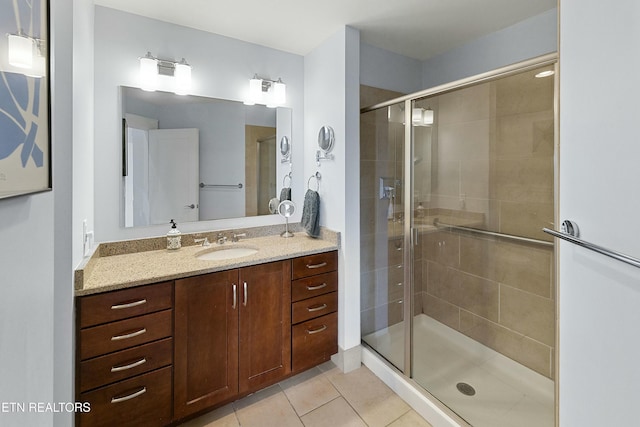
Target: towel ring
317,176
284,180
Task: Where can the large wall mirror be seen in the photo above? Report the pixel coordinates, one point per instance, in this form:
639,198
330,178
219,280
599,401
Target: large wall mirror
192,158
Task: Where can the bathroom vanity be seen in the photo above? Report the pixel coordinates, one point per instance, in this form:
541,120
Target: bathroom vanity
154,349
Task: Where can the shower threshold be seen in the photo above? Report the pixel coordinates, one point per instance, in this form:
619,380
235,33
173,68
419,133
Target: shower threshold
506,393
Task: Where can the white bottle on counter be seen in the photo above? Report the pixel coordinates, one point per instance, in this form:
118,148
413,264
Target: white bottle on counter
174,237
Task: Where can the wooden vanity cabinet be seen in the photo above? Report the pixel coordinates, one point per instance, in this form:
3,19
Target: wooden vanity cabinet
232,334
154,355
314,309
206,341
124,353
265,325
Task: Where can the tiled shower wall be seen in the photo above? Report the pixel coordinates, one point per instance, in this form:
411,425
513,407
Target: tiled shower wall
498,162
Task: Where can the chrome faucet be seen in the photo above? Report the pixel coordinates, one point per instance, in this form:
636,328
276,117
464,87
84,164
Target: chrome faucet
221,239
205,241
236,237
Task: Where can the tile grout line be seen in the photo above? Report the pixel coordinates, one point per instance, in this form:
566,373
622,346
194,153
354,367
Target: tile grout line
344,397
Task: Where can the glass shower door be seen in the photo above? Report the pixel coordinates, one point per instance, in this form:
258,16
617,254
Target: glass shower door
382,232
482,187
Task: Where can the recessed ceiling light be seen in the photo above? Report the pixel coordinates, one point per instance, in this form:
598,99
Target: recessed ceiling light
546,73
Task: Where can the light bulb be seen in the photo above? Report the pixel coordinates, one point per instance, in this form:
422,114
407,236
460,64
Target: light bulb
148,73
427,116
255,90
20,51
39,68
183,77
279,93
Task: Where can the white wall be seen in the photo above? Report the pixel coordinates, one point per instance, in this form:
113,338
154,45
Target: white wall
599,297
331,88
222,68
527,39
389,70
35,309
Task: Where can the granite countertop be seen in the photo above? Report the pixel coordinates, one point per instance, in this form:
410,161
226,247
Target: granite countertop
106,273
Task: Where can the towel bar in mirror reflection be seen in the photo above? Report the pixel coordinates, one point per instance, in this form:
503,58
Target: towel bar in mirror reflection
232,142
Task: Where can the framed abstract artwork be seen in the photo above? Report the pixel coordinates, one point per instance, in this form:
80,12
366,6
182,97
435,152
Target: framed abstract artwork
25,141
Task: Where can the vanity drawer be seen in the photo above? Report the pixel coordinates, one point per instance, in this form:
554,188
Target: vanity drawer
124,364
144,400
314,286
115,336
311,265
314,307
314,341
111,306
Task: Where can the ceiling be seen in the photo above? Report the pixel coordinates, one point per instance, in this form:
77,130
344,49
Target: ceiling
414,28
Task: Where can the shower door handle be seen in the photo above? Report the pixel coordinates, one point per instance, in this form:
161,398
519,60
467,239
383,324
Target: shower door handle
414,236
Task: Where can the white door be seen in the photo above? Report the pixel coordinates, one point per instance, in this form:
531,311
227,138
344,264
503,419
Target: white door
174,166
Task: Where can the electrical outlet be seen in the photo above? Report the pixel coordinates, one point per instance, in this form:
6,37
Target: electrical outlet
87,239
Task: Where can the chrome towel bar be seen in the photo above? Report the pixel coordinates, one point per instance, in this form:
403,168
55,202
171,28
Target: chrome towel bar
203,185
571,228
439,224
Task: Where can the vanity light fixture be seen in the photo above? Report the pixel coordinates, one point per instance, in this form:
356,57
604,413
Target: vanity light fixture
27,53
271,93
422,117
151,68
545,73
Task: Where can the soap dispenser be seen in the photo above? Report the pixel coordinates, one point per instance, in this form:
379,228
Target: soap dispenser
173,237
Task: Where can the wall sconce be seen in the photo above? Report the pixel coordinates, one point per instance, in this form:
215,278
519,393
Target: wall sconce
27,53
422,117
268,92
151,68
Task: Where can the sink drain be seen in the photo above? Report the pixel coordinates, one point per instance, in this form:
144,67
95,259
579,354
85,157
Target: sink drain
466,389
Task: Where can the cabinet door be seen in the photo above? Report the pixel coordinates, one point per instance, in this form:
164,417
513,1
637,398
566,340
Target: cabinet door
265,324
206,341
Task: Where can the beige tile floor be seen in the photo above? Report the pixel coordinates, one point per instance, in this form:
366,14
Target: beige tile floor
319,397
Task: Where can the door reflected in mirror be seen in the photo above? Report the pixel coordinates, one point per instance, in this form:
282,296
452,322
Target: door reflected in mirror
227,165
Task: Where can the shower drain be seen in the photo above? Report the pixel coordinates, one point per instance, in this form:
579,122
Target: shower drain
466,389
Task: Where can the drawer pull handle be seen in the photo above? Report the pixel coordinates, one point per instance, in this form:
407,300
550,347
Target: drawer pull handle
235,296
129,366
131,335
128,305
315,331
315,288
316,308
140,392
312,266
244,302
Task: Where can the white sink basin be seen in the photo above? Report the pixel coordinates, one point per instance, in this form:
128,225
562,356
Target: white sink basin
220,254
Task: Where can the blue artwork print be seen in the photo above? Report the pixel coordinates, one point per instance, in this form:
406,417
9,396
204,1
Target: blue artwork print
18,122
25,154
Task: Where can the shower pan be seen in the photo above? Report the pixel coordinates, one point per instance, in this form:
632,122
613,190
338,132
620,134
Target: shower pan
457,283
